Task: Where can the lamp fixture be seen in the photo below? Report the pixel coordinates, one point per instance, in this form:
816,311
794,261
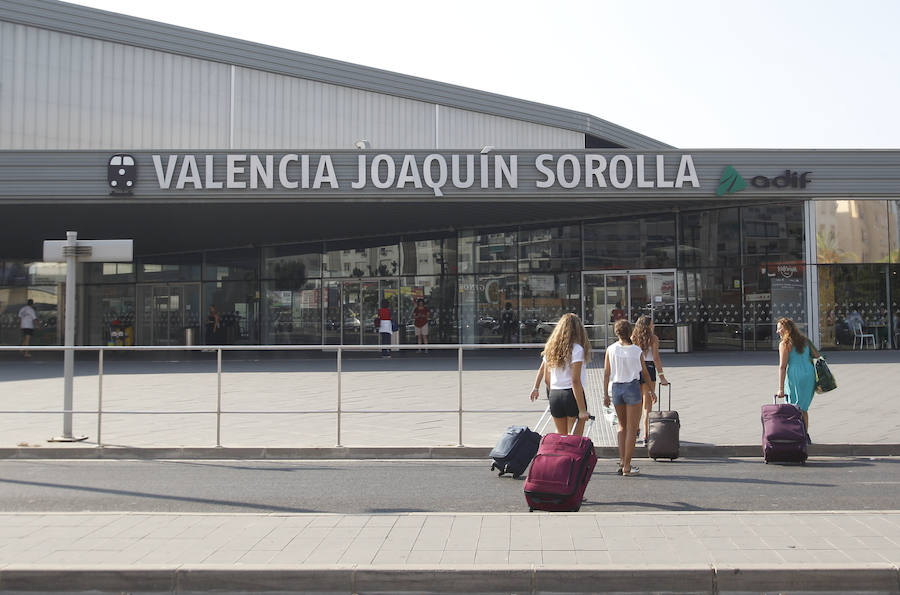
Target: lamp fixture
362,144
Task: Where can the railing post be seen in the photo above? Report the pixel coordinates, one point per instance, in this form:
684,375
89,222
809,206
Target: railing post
459,439
219,397
99,397
339,363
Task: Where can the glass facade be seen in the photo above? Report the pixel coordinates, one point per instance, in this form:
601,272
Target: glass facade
725,274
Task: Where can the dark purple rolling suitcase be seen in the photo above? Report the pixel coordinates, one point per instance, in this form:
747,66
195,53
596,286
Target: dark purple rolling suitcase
560,473
784,433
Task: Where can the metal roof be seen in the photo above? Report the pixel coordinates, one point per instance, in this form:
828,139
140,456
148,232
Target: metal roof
117,28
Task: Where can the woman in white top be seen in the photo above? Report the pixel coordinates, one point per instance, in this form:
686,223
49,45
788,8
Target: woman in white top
644,337
564,359
622,369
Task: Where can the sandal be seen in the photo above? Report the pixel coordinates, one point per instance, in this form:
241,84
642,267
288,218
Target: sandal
619,469
633,471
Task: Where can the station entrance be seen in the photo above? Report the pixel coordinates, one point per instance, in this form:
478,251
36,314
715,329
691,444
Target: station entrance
614,295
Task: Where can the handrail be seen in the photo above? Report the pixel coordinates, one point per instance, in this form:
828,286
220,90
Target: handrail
338,411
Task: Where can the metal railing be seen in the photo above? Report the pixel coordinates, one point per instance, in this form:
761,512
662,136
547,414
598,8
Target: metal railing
338,411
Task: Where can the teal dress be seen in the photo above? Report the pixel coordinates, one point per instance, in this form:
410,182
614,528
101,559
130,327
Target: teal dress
800,380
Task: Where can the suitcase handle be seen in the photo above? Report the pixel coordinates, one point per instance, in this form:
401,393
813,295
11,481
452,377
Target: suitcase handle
659,396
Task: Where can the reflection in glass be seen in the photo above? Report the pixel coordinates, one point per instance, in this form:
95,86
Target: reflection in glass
487,252
292,316
545,298
375,261
109,315
550,249
773,233
710,238
710,301
238,308
851,295
852,231
637,243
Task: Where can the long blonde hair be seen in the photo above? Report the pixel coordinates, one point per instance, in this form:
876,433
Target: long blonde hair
569,331
794,338
642,336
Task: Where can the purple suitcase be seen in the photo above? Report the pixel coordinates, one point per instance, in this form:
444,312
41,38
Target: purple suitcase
560,473
784,434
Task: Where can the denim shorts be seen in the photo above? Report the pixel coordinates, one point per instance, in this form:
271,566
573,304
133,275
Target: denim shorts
626,393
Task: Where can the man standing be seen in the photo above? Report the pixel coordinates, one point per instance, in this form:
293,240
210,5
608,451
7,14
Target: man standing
420,320
507,323
27,315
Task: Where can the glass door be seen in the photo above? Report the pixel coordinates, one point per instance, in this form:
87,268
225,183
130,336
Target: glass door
610,296
169,313
351,308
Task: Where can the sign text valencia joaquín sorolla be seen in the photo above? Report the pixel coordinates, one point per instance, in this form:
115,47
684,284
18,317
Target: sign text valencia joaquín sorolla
437,172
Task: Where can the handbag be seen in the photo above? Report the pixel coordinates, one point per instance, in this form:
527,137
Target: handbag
824,378
394,327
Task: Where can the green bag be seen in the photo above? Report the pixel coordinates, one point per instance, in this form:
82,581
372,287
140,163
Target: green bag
824,378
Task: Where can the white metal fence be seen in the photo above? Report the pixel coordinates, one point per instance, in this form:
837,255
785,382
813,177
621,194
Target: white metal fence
602,431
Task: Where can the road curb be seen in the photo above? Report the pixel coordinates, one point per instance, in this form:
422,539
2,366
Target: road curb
401,452
687,578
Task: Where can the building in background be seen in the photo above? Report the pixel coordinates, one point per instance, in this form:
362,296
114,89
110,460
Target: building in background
294,193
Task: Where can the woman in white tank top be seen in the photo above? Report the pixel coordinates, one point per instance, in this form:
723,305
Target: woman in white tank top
622,370
644,337
563,368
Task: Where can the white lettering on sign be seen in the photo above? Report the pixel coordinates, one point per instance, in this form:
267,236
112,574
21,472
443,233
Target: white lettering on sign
436,172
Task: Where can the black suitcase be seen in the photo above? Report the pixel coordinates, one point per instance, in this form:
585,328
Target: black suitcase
514,450
664,440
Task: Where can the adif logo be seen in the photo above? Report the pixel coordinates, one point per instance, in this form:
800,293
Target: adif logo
121,174
731,181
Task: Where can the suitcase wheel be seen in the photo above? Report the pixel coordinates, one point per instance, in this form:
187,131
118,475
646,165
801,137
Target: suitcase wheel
493,467
530,509
517,475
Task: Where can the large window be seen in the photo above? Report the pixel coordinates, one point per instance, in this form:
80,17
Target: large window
852,231
550,249
710,238
545,298
429,256
638,243
773,234
709,301
177,267
373,261
21,281
487,252
293,315
853,298
440,296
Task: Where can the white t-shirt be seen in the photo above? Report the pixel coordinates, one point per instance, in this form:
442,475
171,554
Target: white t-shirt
562,377
27,314
624,362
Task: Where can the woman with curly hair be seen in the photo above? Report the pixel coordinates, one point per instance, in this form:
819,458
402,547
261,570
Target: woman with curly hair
796,367
565,356
622,369
644,337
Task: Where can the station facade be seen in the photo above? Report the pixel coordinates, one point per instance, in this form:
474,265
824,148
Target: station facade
294,194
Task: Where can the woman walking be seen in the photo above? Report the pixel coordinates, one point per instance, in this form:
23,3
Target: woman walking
385,324
567,352
644,337
795,366
622,370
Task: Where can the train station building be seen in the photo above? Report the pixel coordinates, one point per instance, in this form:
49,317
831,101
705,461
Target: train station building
295,193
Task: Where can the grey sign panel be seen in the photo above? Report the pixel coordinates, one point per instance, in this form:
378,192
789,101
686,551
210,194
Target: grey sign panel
257,176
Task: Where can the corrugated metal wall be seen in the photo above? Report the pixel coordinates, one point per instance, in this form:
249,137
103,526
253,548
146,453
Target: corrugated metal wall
461,129
60,91
65,92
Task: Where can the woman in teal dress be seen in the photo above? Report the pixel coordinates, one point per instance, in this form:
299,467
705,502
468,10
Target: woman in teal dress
796,367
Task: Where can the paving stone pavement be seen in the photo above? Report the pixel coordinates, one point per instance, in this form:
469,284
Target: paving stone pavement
717,395
412,399
623,552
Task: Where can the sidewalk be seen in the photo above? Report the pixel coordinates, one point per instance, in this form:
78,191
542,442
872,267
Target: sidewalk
718,397
703,552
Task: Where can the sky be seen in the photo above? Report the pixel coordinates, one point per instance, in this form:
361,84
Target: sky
802,74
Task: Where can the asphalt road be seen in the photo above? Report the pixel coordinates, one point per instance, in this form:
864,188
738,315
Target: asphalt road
366,487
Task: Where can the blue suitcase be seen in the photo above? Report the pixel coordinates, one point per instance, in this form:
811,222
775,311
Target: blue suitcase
515,450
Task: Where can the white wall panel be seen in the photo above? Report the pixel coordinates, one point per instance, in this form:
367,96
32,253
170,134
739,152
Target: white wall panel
463,129
60,91
276,111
